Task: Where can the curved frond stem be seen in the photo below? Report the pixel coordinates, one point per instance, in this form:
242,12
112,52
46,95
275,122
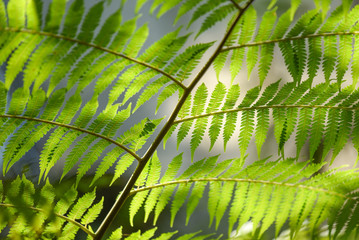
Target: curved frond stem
82,227
290,39
131,182
76,129
262,107
219,48
236,5
96,47
291,185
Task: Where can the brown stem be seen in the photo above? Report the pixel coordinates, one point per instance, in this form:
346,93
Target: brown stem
127,190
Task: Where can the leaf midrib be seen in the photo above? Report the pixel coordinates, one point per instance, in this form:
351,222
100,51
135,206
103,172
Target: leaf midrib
74,128
62,37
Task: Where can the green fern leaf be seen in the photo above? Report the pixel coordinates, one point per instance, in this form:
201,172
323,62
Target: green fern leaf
219,62
330,47
246,131
331,130
229,127
276,202
122,165
264,32
261,129
17,105
213,105
283,213
167,92
265,61
79,71
166,192
215,128
178,201
262,205
90,158
66,115
16,11
32,70
102,120
182,191
137,83
82,205
226,195
317,130
343,217
18,59
250,206
252,59
33,14
232,97
117,234
198,189
215,16
108,76
55,14
236,62
166,236
344,129
247,32
344,56
49,63
202,10
303,128
352,222
90,23
148,234
282,26
73,18
3,98
3,19
139,198
314,57
9,42
163,201
186,7
200,124
355,70
92,213
57,151
184,63
110,27
197,136
231,118
216,98
21,142
169,39
109,160
123,35
137,40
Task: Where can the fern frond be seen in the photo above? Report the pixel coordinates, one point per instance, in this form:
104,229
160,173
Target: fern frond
295,110
265,187
311,27
40,212
215,16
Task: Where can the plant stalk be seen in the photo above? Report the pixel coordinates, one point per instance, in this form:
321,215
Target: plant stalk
127,190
